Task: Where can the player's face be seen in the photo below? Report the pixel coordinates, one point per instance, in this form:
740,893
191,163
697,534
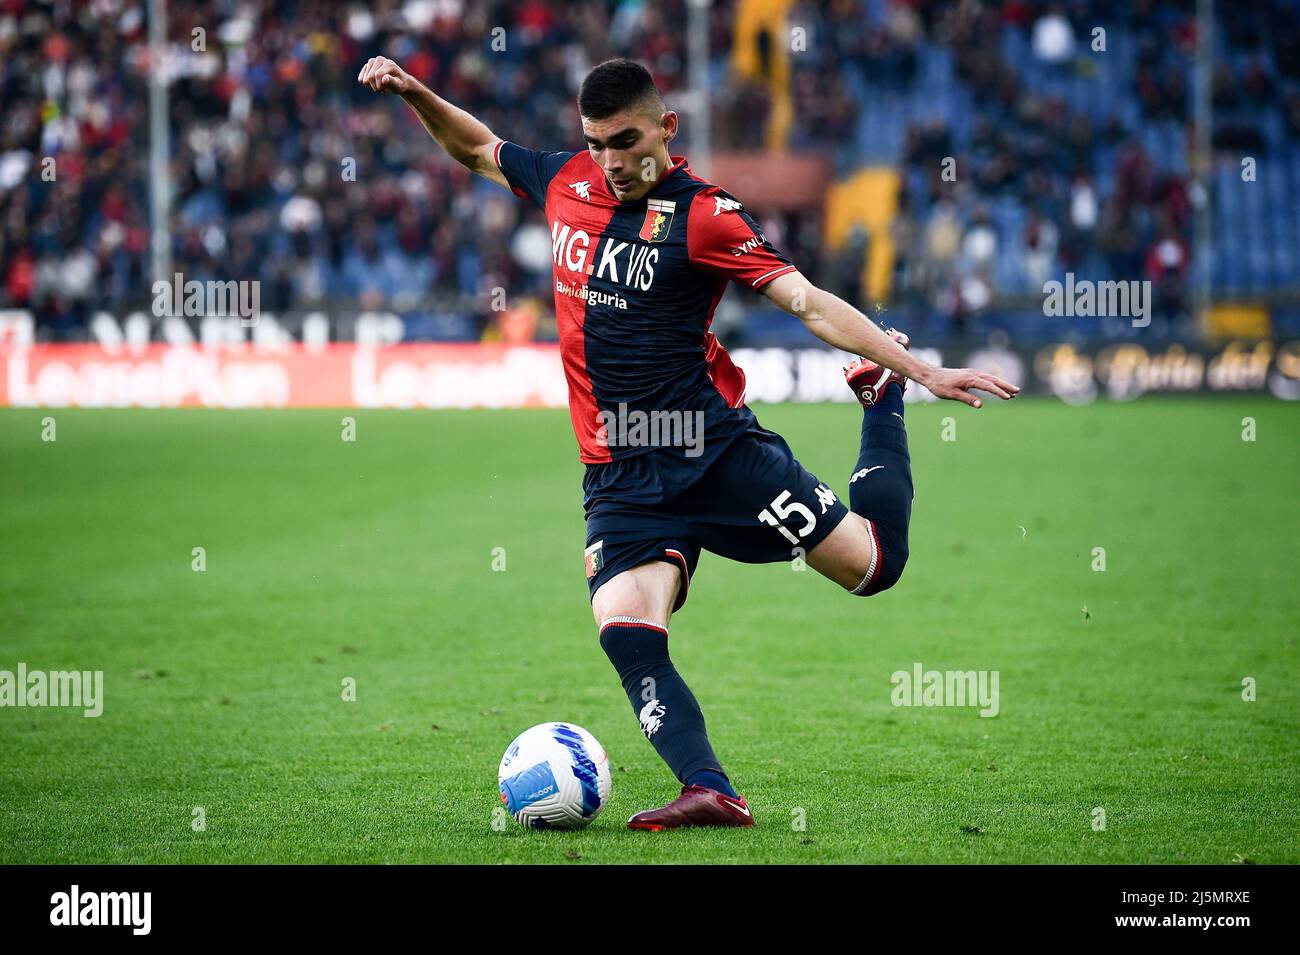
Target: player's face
632,148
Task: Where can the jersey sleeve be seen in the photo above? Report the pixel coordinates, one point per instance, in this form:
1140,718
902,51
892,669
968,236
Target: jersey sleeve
529,171
721,237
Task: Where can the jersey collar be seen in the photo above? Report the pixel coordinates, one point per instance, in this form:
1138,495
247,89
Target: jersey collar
679,163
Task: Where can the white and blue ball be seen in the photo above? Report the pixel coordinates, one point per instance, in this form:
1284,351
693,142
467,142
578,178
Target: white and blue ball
554,776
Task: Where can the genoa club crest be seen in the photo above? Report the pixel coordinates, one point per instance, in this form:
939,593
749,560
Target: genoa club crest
595,558
658,219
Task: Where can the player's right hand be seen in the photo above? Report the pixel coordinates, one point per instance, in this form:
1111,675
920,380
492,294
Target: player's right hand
384,76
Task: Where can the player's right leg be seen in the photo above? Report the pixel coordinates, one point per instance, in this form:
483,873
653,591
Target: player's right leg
637,580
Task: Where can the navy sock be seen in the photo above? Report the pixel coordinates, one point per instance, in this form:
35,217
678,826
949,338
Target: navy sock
712,779
881,486
670,716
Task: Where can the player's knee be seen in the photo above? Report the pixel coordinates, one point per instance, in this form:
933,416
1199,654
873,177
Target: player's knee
645,592
889,573
891,559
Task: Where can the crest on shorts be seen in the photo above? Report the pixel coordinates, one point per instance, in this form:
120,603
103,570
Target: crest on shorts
595,558
658,219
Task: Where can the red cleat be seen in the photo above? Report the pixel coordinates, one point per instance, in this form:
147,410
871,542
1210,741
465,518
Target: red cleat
696,806
868,379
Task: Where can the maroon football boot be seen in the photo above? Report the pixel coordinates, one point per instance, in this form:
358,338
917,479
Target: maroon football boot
696,806
868,379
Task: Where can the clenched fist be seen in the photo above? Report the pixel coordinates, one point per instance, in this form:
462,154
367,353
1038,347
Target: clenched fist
384,76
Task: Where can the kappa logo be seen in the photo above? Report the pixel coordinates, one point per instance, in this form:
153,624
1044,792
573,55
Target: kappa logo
864,472
583,189
652,717
723,204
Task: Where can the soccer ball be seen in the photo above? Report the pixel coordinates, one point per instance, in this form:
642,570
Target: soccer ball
554,776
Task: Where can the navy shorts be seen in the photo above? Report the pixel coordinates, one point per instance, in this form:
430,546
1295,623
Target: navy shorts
754,503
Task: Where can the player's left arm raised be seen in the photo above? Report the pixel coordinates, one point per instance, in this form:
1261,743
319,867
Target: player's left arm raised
838,323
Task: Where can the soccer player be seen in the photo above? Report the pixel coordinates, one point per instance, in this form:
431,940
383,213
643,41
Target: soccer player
642,251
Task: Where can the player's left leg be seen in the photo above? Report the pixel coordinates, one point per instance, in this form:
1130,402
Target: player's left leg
866,553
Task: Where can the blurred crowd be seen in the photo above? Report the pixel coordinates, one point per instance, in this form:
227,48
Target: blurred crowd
285,170
1080,189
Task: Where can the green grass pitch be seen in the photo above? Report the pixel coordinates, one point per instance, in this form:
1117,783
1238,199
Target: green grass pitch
373,560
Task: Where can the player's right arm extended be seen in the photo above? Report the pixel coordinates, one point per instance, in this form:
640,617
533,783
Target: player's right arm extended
463,137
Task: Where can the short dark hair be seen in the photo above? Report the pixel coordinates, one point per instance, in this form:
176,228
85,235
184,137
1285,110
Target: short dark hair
617,85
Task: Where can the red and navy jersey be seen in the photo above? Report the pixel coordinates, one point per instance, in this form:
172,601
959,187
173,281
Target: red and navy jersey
636,286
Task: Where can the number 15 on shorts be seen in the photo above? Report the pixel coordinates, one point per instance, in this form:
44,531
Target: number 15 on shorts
782,509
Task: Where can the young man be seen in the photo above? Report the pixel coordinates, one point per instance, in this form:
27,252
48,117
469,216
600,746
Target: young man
642,251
